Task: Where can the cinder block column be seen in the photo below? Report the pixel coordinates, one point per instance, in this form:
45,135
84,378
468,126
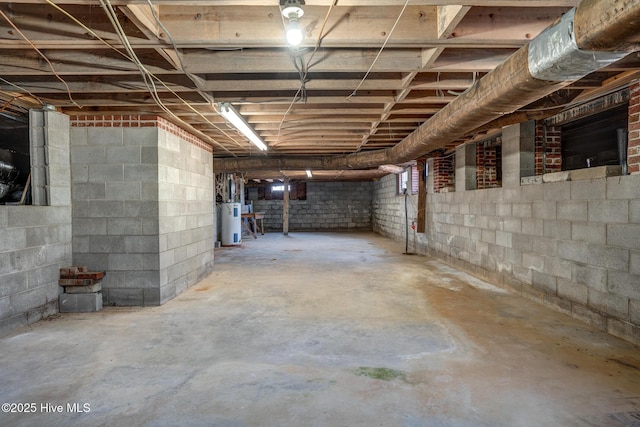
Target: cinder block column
633,150
518,153
142,206
466,167
49,145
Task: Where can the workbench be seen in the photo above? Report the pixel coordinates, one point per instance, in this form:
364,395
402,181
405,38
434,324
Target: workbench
251,225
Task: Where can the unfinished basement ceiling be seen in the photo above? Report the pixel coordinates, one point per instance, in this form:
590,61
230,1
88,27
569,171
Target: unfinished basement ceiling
366,76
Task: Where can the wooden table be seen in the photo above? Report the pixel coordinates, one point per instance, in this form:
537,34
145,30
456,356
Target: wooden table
253,217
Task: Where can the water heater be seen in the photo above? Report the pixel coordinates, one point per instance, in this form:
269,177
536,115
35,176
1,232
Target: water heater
231,224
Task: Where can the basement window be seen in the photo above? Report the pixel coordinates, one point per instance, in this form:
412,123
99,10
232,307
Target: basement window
594,140
267,191
276,188
408,179
15,166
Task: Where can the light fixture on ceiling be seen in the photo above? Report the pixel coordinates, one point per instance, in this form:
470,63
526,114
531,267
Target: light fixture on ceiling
292,10
309,175
230,113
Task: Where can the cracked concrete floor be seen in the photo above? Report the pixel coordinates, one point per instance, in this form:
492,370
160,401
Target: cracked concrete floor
323,329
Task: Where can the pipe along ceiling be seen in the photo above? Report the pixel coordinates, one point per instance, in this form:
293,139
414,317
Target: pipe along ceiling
589,37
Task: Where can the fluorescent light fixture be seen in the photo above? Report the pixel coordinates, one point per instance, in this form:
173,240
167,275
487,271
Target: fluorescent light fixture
309,175
231,115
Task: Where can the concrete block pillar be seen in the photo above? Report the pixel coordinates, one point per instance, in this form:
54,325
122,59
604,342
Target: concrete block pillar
633,147
466,167
143,201
49,148
518,153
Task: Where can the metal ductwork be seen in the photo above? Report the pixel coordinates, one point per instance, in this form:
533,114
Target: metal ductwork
593,35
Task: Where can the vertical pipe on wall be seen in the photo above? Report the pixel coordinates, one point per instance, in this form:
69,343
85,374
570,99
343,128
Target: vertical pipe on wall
285,208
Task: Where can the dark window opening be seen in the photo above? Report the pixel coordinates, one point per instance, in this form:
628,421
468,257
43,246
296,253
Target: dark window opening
593,141
275,191
15,164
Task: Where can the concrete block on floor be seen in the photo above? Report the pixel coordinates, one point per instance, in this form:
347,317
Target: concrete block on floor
89,289
80,303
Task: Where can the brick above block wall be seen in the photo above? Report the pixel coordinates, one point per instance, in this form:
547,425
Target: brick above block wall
137,121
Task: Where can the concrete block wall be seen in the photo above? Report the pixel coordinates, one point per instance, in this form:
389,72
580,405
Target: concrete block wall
123,197
35,241
330,206
186,210
572,245
388,214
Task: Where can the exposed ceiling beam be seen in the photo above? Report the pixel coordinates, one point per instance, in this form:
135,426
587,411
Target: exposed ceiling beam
506,89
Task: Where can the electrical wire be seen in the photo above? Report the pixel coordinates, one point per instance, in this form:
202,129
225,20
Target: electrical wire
191,77
175,49
53,70
355,91
303,70
21,89
147,76
473,83
94,34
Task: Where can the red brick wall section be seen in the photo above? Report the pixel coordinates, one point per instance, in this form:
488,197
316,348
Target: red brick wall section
137,121
486,166
443,174
553,149
633,150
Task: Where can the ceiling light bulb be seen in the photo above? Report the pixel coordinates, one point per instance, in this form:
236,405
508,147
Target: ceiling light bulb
294,33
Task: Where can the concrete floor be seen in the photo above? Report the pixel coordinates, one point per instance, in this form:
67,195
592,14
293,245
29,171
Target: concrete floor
324,330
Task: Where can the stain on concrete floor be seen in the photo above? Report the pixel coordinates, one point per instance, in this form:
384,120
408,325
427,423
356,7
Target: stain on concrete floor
338,330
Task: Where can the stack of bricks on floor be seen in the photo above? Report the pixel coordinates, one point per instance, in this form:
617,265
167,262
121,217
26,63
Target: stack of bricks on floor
82,290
